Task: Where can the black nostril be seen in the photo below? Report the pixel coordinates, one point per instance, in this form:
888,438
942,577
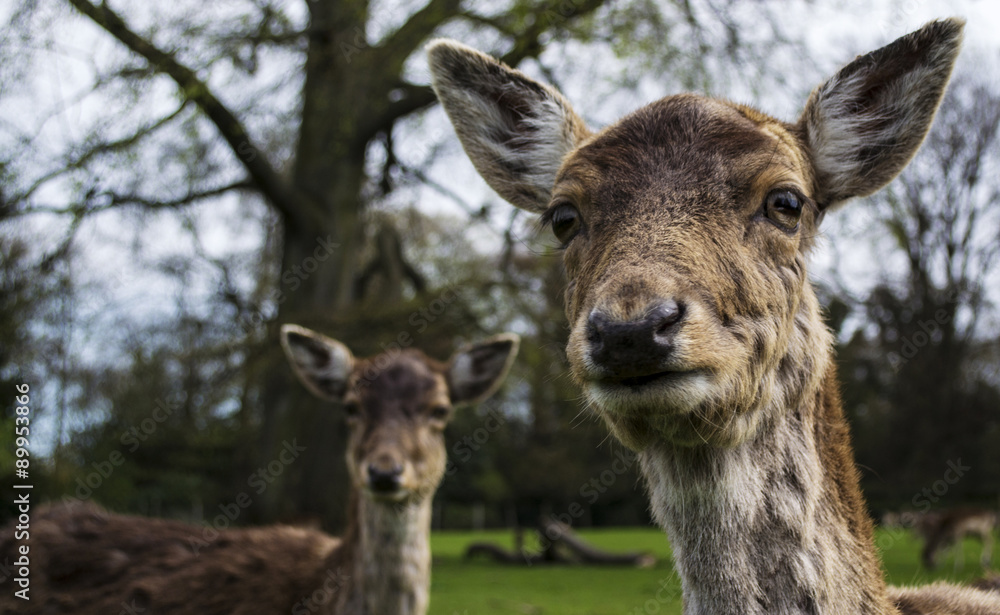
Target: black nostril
380,479
637,347
665,316
595,327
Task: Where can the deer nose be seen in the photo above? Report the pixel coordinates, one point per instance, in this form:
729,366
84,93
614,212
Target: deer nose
637,347
384,479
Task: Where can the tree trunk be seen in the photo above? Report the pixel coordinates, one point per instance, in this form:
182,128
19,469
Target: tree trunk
315,265
319,263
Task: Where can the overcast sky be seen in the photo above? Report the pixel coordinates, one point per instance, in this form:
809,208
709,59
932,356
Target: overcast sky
835,33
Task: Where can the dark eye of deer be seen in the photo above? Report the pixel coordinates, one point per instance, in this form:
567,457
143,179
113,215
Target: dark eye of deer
352,409
784,208
565,220
440,413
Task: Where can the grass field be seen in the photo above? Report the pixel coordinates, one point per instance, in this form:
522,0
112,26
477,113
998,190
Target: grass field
479,587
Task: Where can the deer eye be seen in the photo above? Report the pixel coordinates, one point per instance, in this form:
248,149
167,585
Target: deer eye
565,221
440,413
352,410
784,208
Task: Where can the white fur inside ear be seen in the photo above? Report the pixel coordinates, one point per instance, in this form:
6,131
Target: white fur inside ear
515,130
322,364
837,134
865,123
476,371
524,163
461,369
336,365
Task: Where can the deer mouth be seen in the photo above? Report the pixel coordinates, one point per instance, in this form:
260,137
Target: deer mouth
386,486
387,496
639,382
670,391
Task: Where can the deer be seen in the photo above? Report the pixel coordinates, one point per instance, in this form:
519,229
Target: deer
87,561
943,529
947,528
685,229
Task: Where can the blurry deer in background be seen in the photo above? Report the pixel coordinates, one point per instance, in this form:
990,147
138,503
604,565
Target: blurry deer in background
695,334
87,561
948,528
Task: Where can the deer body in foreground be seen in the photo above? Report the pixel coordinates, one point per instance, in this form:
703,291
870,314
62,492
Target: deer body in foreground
86,561
694,333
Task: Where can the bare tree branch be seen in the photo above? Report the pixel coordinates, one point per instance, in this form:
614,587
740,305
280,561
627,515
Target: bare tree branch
401,44
527,44
264,176
101,201
418,174
548,16
96,150
499,25
413,98
115,199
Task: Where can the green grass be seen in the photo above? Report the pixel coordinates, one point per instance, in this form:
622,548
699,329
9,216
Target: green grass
481,587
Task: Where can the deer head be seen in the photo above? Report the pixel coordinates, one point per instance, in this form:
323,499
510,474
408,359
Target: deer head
397,405
686,225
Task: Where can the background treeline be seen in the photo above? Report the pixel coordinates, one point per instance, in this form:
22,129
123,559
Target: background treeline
212,173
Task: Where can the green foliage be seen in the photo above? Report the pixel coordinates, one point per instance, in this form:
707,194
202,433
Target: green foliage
161,450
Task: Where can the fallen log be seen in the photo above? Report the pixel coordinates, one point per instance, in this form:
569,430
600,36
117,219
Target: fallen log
586,553
499,554
560,545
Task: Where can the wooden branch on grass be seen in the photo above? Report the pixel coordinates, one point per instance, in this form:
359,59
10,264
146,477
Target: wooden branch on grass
560,545
586,553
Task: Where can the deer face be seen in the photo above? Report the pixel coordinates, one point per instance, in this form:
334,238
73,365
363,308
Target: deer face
686,225
397,405
685,229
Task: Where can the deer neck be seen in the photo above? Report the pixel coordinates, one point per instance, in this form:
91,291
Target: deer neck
777,523
387,549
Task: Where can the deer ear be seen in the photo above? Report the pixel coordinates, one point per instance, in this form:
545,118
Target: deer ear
515,130
322,364
476,371
866,123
